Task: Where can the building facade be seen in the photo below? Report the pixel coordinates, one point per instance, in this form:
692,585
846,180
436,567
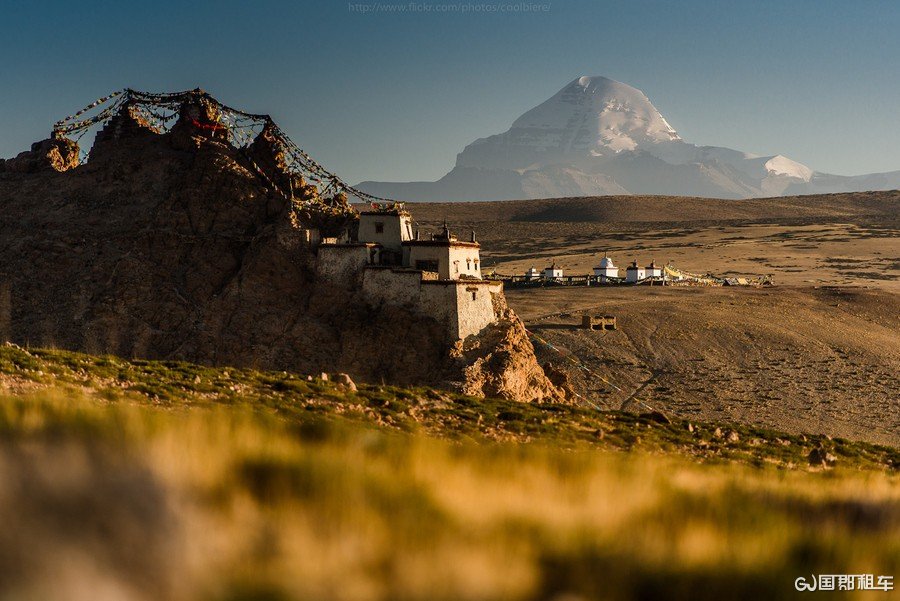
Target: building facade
606,270
553,272
634,274
439,277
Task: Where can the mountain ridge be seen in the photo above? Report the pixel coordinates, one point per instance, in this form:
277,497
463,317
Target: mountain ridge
598,136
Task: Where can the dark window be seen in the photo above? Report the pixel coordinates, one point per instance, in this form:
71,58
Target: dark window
379,227
474,295
427,266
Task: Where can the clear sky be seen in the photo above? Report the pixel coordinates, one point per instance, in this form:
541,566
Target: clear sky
394,96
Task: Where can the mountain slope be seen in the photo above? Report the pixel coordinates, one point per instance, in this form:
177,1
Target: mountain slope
142,480
171,245
597,136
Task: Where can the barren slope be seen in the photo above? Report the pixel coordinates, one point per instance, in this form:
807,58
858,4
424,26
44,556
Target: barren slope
818,352
668,208
802,359
176,245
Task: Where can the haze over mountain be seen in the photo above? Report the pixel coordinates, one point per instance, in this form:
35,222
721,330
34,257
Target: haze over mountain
597,136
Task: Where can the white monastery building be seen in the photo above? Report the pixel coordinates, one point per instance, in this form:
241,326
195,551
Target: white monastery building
439,276
634,274
606,270
552,272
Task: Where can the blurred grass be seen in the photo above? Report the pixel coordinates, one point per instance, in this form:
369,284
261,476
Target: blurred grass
168,480
175,385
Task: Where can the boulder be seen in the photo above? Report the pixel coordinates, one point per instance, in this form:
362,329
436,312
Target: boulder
821,457
57,153
344,380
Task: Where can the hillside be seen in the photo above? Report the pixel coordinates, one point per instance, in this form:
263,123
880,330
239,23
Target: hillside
172,385
627,209
177,241
144,480
816,351
791,358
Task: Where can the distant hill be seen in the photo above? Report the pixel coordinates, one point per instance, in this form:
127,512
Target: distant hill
666,208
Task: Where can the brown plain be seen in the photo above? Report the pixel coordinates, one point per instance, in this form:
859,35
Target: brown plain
818,352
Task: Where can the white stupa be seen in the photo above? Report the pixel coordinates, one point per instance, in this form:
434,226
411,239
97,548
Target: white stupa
606,269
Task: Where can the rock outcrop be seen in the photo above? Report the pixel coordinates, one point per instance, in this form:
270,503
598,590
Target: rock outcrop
54,153
177,245
500,362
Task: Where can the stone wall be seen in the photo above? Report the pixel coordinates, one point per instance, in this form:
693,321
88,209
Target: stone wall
466,307
475,306
394,287
342,264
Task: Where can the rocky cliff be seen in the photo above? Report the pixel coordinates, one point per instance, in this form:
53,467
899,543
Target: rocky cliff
178,245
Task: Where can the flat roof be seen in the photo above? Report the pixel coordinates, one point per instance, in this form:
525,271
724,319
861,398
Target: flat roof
348,244
441,243
388,213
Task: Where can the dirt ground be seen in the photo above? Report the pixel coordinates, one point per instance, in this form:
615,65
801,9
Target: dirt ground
818,352
828,254
801,359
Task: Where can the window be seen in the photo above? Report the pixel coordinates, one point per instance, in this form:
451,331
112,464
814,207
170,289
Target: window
379,227
456,266
427,266
474,295
468,264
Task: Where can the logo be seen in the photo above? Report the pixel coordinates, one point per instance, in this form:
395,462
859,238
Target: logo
844,582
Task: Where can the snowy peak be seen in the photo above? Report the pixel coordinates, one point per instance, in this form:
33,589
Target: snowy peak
599,114
599,136
781,165
589,117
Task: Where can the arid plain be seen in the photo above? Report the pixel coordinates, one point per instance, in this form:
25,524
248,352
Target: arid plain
817,352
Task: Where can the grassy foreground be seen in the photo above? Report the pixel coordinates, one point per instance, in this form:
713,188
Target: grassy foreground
145,480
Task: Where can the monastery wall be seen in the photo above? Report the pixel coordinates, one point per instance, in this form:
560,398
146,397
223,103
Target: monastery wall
342,264
466,307
475,306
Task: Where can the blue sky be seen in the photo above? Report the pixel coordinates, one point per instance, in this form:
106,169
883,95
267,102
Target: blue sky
394,96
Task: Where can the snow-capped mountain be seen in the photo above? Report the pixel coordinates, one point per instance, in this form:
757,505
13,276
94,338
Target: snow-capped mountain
598,136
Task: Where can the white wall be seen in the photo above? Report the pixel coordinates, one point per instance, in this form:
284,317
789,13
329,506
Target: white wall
449,301
609,272
465,261
395,229
454,261
475,314
633,275
426,252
